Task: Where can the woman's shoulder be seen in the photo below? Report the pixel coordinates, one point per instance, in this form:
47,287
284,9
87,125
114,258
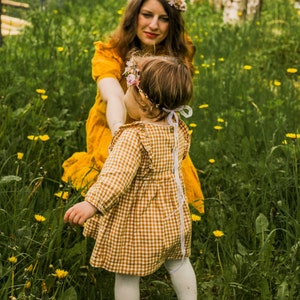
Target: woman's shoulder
104,49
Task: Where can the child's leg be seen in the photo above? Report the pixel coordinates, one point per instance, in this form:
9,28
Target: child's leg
183,278
127,287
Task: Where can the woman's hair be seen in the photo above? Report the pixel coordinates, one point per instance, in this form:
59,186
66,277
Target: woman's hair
165,81
177,43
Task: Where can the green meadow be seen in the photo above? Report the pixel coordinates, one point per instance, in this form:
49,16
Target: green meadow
245,144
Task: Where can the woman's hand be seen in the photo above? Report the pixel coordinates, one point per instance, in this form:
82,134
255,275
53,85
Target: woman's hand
79,213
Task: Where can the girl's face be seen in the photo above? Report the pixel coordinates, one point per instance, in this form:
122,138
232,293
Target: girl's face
153,23
132,107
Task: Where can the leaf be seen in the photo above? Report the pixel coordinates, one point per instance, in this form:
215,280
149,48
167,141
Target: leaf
261,224
69,294
283,291
9,179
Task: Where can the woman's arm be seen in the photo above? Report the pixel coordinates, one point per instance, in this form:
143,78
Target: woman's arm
112,93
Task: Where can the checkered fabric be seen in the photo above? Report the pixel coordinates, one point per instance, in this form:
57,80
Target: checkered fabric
136,195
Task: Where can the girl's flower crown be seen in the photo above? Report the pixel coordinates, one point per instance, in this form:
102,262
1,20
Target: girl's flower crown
178,4
132,74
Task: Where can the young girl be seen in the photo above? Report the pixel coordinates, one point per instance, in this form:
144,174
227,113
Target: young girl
139,195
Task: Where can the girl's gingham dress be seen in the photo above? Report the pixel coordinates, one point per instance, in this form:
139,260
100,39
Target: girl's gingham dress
136,195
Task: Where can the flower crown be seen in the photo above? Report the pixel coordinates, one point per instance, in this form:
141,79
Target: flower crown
132,74
178,4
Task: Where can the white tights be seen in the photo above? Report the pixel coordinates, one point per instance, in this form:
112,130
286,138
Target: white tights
127,287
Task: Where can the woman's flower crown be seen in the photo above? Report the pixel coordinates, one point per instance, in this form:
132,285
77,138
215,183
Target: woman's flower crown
178,4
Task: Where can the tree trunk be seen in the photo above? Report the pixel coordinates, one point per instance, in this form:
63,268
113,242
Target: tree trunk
237,11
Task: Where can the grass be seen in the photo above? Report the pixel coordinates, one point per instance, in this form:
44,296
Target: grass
247,84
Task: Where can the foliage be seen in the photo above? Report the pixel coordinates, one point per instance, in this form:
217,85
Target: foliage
245,144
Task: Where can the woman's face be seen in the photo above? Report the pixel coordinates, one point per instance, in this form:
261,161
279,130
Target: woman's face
153,23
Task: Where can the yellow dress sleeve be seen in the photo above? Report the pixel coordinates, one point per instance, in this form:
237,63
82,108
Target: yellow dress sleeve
106,62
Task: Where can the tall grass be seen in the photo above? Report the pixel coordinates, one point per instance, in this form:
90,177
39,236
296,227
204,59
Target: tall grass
247,84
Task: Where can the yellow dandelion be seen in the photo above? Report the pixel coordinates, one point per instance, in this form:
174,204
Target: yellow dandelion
27,285
220,120
44,97
44,137
20,155
39,218
221,59
211,160
197,72
63,195
29,268
12,259
247,67
60,274
203,106
218,233
41,91
293,136
284,142
190,131
193,125
292,70
277,82
218,128
32,137
60,49
196,218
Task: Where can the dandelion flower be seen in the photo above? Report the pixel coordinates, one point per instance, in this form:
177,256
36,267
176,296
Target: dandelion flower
218,233
12,259
277,82
62,195
203,106
217,127
20,155
60,274
32,137
195,218
44,97
39,218
44,137
27,285
211,160
220,120
292,70
197,72
193,125
247,67
293,136
60,49
41,91
284,142
221,59
190,131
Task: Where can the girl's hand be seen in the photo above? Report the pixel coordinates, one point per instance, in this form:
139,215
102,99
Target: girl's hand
79,213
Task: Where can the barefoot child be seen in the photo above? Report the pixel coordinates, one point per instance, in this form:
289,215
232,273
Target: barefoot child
139,195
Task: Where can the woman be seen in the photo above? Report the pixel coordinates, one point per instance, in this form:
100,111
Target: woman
154,26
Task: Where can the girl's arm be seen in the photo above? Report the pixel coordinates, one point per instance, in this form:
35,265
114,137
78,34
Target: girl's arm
112,93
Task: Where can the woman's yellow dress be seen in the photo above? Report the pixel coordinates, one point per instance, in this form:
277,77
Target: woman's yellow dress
82,168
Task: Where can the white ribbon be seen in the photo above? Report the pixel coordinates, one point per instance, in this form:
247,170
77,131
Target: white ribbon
172,119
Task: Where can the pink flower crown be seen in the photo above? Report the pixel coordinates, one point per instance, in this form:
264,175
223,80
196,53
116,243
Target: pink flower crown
178,4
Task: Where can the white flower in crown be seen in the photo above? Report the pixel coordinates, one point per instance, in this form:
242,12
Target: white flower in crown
132,73
178,4
131,79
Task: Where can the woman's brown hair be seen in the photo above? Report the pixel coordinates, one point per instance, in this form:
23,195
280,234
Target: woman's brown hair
176,44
